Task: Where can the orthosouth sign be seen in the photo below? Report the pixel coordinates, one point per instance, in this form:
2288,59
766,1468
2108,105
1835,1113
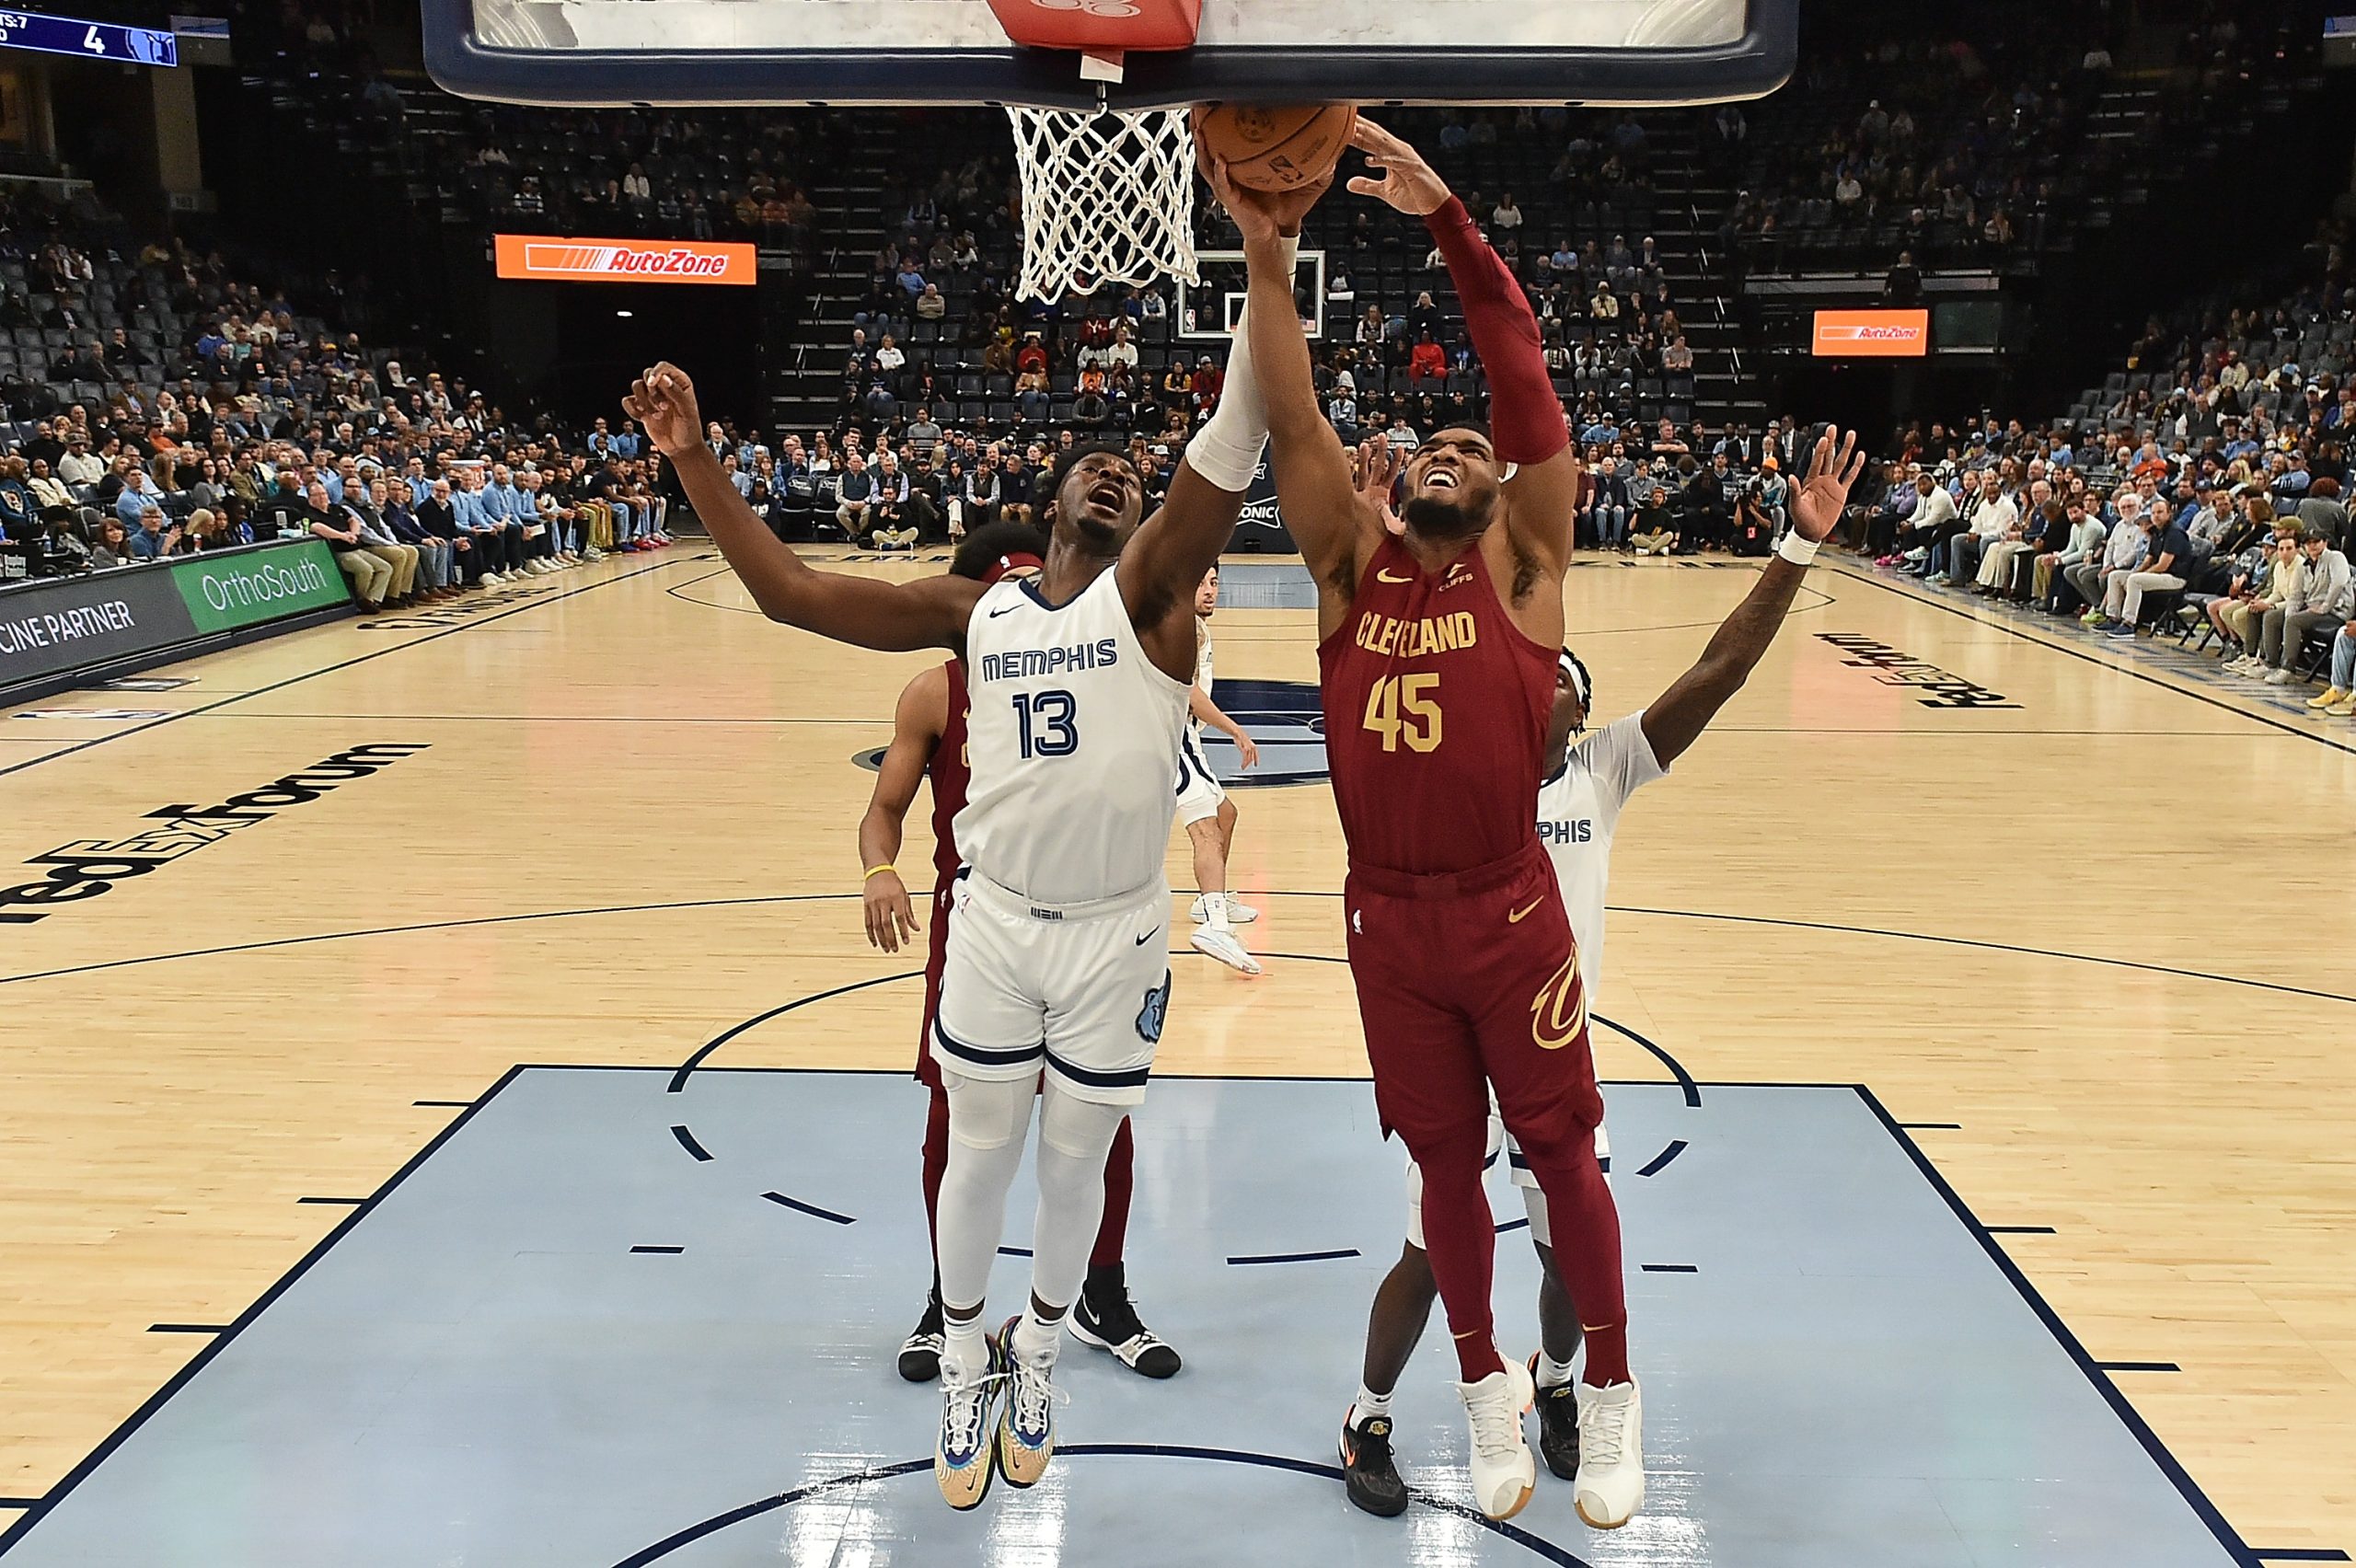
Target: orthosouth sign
87,41
57,626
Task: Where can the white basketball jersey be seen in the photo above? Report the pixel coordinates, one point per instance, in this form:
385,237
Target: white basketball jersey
1074,739
1578,810
1202,669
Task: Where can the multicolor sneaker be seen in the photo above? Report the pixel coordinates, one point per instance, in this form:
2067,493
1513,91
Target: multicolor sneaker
961,1455
1026,1432
1369,1473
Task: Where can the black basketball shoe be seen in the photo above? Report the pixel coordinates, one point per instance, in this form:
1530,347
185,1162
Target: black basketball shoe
1369,1472
1104,1317
1558,1426
920,1352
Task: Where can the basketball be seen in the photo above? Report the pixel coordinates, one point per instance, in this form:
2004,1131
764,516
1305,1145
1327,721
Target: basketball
1276,148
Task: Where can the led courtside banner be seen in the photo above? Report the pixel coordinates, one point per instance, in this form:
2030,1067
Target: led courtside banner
551,259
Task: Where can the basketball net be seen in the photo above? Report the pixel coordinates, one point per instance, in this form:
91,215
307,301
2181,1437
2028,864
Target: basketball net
1107,198
1108,195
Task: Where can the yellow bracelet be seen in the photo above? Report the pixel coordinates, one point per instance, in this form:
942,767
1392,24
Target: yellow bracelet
872,870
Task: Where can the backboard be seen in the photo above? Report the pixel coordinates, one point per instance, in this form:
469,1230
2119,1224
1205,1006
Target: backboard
925,51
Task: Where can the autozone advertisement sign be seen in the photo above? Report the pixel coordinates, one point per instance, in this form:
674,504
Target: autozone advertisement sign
547,258
1872,334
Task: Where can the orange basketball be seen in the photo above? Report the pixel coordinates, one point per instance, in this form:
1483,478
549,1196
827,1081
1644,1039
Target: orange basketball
1276,148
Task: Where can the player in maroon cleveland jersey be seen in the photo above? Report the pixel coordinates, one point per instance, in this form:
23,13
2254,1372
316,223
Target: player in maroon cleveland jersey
1437,650
928,743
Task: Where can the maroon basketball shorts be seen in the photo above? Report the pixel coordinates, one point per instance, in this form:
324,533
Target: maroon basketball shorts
1468,980
936,964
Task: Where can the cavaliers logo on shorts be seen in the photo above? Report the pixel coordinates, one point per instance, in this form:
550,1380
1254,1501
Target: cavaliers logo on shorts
1558,1013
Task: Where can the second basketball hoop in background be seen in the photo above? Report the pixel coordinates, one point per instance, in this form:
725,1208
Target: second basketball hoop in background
1276,147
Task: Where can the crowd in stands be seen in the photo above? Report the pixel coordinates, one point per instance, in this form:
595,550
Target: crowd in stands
151,405
1973,141
939,334
2207,497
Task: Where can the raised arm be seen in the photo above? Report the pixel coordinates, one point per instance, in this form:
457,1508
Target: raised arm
917,725
930,612
1526,425
1182,541
1674,721
1312,472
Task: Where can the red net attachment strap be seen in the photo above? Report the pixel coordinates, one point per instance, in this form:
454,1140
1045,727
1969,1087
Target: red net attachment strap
1098,27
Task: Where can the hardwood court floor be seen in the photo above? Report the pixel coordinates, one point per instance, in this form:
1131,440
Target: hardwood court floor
2103,929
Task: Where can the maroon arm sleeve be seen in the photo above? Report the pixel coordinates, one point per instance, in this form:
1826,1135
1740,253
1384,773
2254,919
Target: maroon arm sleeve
1525,416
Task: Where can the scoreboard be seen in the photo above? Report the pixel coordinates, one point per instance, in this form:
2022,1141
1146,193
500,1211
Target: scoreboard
87,41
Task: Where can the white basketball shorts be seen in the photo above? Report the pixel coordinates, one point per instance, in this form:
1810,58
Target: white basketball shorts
1080,990
1200,790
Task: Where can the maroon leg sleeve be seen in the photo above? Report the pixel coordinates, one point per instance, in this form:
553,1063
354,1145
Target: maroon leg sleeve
1120,1179
936,1161
1460,1238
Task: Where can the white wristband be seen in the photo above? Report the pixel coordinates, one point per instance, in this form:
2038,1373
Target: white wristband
1797,550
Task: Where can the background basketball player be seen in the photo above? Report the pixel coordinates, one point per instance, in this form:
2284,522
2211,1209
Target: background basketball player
1204,809
929,744
1076,695
1436,655
1579,809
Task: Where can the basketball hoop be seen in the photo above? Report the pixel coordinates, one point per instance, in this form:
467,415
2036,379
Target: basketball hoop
1108,196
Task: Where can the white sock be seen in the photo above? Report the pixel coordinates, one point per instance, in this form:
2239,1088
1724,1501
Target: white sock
1226,449
1214,911
1552,1374
1368,1405
1036,1338
964,1345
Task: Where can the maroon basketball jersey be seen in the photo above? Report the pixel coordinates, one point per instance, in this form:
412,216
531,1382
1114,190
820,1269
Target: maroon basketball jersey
1436,710
950,769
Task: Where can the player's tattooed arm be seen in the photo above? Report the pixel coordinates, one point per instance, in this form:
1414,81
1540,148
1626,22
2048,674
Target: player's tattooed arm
894,616
1677,720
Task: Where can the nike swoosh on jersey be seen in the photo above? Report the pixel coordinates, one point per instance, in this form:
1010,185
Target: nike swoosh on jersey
1002,610
1515,916
1386,577
1148,936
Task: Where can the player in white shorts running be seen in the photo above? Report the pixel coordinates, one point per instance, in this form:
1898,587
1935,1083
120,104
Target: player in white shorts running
1204,810
1579,803
1077,687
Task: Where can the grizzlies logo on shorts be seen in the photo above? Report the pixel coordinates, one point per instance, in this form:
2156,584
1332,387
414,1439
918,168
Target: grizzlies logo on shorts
1156,1009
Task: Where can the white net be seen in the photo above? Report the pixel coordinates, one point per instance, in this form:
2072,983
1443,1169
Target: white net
1107,198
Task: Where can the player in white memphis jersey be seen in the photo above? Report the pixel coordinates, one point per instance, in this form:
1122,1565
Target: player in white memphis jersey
1204,809
1580,802
1057,981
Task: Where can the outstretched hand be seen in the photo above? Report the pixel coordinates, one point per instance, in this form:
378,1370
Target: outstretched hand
1816,505
663,400
1374,467
1408,182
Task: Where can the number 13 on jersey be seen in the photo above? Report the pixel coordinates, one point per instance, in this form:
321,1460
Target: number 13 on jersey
1049,727
1405,708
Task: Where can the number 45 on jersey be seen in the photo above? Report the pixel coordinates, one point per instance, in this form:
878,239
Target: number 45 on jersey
1406,708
